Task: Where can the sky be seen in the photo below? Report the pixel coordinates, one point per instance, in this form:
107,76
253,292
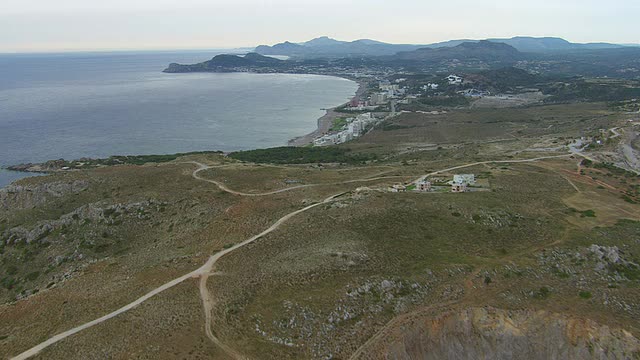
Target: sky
73,25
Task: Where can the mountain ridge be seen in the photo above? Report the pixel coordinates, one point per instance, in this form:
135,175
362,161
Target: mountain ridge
325,46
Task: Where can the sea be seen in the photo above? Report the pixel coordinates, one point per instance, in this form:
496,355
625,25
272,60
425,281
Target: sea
76,105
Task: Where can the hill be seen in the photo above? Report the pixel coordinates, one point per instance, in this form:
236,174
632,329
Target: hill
534,44
225,62
484,51
504,79
327,47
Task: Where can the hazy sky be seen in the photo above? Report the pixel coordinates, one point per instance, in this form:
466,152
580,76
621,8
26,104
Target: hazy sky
53,25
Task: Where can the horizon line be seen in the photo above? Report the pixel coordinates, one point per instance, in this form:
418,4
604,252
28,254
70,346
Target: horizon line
246,48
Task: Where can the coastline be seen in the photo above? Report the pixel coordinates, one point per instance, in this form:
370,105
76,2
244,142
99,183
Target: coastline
326,121
14,172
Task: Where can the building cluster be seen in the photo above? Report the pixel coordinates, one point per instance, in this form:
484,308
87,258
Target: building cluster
454,80
430,86
387,91
459,184
353,129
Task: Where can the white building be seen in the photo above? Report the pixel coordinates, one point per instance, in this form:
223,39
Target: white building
430,86
378,98
468,179
354,128
326,140
454,80
389,87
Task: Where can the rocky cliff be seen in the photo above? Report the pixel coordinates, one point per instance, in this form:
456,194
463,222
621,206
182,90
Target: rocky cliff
488,333
16,197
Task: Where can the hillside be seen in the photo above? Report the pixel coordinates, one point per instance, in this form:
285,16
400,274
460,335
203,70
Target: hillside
224,63
327,47
534,44
308,254
468,51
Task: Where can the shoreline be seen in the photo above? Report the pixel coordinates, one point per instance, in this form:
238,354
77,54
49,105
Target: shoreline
325,122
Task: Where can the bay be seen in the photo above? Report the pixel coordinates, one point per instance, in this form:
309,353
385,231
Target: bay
100,104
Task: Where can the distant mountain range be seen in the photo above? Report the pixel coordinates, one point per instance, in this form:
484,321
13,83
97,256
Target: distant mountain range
536,45
327,47
558,57
483,53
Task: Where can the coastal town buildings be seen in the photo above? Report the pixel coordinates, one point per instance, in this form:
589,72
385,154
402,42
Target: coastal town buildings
353,129
379,98
430,86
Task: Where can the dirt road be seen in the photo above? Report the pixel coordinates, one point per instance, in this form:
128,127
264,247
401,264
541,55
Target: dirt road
202,272
205,271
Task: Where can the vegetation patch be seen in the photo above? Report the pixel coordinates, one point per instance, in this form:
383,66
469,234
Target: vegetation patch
301,155
585,295
338,124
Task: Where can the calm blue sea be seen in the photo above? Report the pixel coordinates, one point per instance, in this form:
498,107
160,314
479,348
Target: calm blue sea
101,104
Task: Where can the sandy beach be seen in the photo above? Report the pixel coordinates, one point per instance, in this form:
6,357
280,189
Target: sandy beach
326,121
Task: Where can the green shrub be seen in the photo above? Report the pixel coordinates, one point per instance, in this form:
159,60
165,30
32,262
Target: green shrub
585,294
32,275
542,293
12,270
588,213
301,155
8,282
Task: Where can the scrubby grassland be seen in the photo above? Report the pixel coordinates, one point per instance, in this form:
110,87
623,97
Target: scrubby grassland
345,277
351,267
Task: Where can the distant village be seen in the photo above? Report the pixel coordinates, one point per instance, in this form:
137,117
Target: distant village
386,96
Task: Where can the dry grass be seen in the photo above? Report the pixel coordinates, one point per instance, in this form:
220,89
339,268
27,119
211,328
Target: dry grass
410,250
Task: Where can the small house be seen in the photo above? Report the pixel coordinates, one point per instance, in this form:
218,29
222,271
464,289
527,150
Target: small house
423,186
458,188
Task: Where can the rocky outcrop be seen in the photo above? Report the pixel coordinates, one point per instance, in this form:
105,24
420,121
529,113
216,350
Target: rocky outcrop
49,166
96,212
488,333
17,197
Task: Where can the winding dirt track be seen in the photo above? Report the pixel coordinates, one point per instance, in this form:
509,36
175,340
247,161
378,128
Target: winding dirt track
223,187
205,271
493,162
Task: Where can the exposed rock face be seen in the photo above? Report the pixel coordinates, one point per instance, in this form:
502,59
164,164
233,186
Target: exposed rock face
15,197
487,333
98,212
